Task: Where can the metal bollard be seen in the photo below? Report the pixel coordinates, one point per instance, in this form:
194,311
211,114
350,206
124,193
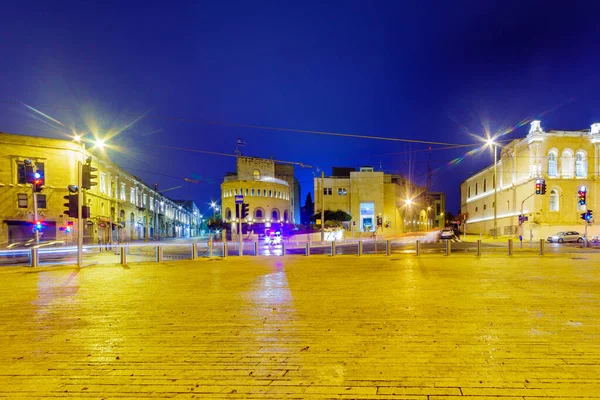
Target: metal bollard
194,251
282,248
510,247
388,247
307,249
241,249
159,254
360,248
33,258
210,248
541,247
478,247
448,247
224,249
418,248
333,248
123,255
255,249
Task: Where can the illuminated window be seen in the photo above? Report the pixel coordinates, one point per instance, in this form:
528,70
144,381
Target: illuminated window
580,165
342,191
567,164
132,195
22,200
102,182
122,194
552,164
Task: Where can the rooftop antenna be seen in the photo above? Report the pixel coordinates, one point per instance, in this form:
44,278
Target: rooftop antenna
429,171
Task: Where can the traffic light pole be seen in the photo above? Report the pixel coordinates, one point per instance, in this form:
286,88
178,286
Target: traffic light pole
79,215
35,210
585,238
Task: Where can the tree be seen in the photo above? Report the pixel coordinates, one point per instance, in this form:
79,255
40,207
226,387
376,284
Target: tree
307,210
338,215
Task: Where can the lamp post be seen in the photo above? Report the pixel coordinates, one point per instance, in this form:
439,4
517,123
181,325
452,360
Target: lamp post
490,142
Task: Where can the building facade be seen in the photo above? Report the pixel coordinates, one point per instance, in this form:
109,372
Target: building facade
367,194
122,207
567,161
267,188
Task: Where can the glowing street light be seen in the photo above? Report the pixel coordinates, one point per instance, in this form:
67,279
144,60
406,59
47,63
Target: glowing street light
408,202
77,138
100,143
491,143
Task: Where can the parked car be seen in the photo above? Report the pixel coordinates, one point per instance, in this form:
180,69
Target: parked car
447,233
273,238
569,236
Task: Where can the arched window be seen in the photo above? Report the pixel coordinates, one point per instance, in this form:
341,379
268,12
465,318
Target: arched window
228,213
484,185
275,214
552,164
285,215
256,175
567,164
258,213
580,165
554,200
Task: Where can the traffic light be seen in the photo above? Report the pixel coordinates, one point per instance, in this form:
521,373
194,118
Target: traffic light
538,187
587,216
29,171
86,175
582,196
543,186
72,202
38,182
85,212
244,211
37,226
379,221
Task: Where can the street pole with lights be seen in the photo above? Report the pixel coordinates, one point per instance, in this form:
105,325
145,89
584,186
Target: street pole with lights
491,143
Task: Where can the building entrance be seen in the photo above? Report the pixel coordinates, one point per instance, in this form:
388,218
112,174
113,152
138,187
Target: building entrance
367,215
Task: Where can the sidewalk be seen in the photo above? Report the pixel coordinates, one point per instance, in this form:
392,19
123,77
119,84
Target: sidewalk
426,328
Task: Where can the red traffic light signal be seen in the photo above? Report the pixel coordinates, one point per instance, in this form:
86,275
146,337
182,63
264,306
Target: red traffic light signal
244,210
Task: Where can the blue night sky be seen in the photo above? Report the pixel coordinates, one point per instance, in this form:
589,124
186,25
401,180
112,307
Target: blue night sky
413,70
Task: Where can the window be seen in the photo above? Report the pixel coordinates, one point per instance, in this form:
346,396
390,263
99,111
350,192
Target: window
438,209
21,178
265,193
567,164
235,191
41,200
476,209
252,192
270,193
327,191
475,189
228,213
102,182
485,206
151,204
552,164
256,175
494,182
246,191
275,214
554,206
469,192
132,195
484,185
342,192
580,165
144,200
122,196
22,200
258,192
258,213
285,215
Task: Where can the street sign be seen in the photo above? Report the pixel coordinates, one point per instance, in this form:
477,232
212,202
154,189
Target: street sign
523,218
239,199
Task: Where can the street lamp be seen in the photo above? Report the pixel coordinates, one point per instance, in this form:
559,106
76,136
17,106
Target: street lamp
491,142
429,222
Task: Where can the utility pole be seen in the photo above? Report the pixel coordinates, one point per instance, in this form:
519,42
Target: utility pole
35,207
322,206
80,212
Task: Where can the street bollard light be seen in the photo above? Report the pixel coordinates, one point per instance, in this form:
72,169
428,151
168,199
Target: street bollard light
388,247
478,247
224,248
194,251
360,248
33,258
448,248
159,254
418,248
333,248
541,247
255,248
241,249
307,249
123,255
510,247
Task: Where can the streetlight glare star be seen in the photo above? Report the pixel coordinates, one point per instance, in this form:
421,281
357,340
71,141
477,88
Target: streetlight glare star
77,138
100,143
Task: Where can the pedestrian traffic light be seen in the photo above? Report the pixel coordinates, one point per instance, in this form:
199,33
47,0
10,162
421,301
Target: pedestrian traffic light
85,212
72,203
582,196
86,175
37,226
244,210
587,216
538,187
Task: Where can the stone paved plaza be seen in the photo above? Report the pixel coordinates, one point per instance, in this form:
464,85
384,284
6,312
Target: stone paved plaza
323,327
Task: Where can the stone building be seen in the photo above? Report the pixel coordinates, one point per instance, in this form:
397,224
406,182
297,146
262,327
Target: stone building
268,189
122,207
566,161
367,194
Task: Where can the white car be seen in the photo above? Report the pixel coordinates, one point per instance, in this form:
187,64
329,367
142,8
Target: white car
569,236
447,233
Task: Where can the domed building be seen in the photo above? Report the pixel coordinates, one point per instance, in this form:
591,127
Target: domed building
268,189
